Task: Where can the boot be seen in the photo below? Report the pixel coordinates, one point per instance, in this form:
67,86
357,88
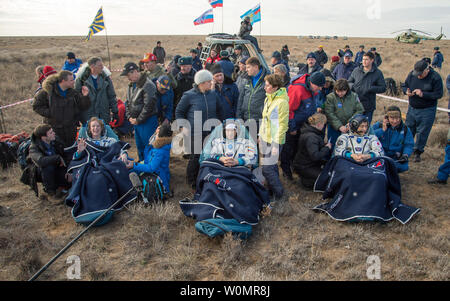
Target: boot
437,181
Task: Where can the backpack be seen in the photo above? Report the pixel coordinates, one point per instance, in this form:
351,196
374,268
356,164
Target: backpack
153,188
7,154
391,87
22,153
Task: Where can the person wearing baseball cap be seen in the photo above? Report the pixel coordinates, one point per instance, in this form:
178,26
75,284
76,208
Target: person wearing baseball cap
141,106
438,59
164,99
237,54
321,56
201,102
196,62
184,78
311,65
151,68
226,89
226,64
276,59
345,68
359,55
72,64
378,59
342,52
424,88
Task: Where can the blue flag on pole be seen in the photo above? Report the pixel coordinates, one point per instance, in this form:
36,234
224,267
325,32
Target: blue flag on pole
254,14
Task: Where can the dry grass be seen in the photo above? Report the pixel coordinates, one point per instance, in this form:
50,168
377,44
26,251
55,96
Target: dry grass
160,243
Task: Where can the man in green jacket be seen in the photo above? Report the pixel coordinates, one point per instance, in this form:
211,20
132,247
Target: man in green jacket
340,106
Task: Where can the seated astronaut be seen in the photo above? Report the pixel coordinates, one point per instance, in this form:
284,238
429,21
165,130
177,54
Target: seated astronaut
357,143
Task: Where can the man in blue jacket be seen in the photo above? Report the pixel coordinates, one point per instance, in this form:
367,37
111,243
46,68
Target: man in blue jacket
344,69
227,90
359,55
424,87
395,137
438,59
164,99
72,64
276,59
201,102
226,64
196,62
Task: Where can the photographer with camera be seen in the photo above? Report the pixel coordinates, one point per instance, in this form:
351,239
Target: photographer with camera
395,137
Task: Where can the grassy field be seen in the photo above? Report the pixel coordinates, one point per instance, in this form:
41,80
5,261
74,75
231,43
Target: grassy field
160,243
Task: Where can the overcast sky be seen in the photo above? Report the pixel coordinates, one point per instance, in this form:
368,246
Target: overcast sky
353,18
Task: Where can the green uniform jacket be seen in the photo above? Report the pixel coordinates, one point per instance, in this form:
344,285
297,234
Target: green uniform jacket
340,110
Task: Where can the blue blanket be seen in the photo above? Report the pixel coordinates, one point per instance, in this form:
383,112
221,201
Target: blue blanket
99,180
227,193
362,191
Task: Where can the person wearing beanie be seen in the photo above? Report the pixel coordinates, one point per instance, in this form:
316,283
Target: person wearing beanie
378,59
156,156
367,80
395,137
240,76
438,59
196,62
321,56
42,72
226,64
276,59
72,64
285,53
245,30
226,89
359,55
303,94
198,102
311,65
184,78
334,62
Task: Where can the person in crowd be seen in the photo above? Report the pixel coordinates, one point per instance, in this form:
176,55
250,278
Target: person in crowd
311,65
367,80
395,137
61,105
241,76
244,33
444,169
164,99
312,152
160,53
378,59
184,78
303,94
156,156
232,149
340,106
285,53
72,64
198,99
321,56
359,55
341,52
199,47
334,62
47,153
276,60
357,143
96,133
237,54
213,58
141,106
272,133
448,93
282,71
101,91
424,88
326,89
344,69
226,89
151,67
251,98
226,64
196,62
173,68
42,72
122,127
438,59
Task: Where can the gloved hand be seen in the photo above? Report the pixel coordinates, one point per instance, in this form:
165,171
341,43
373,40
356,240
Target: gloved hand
403,159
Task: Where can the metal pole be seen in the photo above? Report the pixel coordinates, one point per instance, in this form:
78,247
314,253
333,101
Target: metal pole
78,236
107,44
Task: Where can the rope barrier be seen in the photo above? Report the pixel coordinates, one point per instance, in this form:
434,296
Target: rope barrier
405,101
16,103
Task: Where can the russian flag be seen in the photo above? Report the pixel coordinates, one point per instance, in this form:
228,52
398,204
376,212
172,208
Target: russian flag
216,3
206,17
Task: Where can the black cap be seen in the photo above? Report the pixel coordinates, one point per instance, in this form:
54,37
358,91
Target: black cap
70,55
373,49
436,48
194,51
216,68
318,79
130,66
419,67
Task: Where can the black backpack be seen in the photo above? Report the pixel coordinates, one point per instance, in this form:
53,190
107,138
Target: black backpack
7,154
153,188
22,153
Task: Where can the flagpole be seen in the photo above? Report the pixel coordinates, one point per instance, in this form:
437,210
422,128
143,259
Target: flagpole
222,18
107,44
260,28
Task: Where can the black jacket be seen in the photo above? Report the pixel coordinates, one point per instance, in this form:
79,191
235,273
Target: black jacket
38,155
304,69
185,83
367,85
431,86
312,151
141,100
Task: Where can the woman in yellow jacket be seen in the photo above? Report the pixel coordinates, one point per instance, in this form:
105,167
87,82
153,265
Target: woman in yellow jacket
272,132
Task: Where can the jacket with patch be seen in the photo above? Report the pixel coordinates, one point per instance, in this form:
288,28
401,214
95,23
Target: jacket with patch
251,99
141,100
302,103
275,117
367,85
340,110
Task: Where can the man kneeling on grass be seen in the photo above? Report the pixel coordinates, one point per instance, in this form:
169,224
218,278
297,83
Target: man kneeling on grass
47,152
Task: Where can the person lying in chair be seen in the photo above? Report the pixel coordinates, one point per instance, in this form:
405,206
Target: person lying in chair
358,144
232,150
